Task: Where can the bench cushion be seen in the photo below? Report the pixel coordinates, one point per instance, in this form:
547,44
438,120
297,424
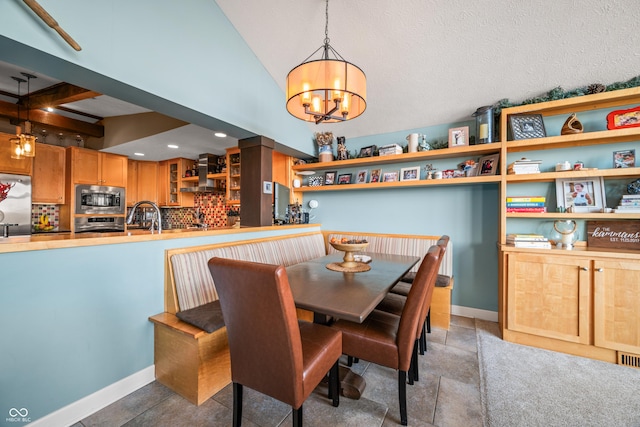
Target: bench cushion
207,317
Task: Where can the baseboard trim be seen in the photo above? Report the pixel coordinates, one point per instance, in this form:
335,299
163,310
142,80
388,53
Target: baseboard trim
491,316
86,406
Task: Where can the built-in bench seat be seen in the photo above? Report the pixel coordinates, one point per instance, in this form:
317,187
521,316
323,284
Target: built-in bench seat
190,341
400,244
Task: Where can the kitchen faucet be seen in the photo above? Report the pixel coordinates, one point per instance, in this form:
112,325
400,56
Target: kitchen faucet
157,216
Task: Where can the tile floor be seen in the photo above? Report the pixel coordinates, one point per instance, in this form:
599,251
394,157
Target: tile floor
446,395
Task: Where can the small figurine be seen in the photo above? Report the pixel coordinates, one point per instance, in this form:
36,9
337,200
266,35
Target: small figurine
342,149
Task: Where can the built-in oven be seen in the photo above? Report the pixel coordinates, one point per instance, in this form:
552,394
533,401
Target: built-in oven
98,224
102,200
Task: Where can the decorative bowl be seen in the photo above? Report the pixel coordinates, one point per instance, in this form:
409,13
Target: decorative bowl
349,249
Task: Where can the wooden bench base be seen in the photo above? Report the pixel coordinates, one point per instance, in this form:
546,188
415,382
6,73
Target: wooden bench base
441,306
189,361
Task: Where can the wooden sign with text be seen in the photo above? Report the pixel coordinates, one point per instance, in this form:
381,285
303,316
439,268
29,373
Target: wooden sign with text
614,234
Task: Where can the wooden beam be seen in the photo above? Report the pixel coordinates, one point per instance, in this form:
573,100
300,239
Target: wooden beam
10,110
58,94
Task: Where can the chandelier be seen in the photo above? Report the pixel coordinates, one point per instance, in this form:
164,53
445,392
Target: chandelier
326,90
24,144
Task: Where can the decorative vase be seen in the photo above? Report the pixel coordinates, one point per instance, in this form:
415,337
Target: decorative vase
571,125
325,149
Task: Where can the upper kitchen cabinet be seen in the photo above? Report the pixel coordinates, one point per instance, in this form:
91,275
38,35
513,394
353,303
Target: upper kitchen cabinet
9,165
142,182
48,182
94,167
171,173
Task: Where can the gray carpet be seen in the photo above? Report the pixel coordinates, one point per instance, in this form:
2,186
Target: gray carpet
527,386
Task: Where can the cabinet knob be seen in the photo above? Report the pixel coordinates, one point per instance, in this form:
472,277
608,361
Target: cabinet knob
599,270
584,269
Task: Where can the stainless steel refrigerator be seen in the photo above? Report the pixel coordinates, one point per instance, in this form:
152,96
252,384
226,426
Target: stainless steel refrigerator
15,205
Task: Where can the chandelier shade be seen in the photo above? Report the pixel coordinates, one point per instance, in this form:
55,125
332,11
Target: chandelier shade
326,90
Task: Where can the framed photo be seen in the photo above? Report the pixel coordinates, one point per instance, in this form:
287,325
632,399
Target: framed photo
624,159
488,165
367,151
390,177
361,177
619,119
526,126
344,178
580,194
375,175
410,174
458,137
330,177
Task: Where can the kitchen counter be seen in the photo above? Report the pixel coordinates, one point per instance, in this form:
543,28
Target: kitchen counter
44,241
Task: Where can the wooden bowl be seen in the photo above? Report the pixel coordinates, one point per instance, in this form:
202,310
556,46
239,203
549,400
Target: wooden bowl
349,249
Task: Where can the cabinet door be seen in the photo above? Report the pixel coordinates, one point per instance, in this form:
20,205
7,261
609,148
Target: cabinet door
132,182
148,181
9,165
617,305
85,166
48,175
185,200
163,183
114,170
549,295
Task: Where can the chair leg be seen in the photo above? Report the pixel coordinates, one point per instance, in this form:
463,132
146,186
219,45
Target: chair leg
402,396
429,320
334,384
349,361
237,405
413,368
423,340
297,416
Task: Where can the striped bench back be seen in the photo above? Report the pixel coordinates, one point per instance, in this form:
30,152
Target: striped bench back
194,285
400,245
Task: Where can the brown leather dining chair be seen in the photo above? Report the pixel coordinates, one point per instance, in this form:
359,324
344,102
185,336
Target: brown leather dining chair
390,340
271,351
394,301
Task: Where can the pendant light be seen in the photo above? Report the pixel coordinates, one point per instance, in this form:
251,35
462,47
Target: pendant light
17,151
28,139
326,90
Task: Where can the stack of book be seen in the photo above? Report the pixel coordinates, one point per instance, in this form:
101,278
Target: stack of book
537,241
533,204
629,203
524,166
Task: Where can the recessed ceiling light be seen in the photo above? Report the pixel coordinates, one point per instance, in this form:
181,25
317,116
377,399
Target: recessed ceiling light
220,134
138,154
172,146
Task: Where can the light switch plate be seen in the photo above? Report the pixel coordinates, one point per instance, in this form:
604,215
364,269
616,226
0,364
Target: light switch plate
267,187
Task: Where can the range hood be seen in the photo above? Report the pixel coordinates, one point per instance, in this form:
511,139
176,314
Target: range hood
207,163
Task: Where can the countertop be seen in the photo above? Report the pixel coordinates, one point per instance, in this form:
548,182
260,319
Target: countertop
43,241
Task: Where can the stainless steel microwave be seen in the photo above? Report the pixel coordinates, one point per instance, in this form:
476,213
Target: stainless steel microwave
97,199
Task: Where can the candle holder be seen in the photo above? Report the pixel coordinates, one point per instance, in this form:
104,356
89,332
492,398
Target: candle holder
484,125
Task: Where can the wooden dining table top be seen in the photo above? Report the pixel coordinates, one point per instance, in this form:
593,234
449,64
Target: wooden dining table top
349,296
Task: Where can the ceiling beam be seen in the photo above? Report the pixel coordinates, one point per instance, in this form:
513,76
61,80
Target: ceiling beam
10,111
58,94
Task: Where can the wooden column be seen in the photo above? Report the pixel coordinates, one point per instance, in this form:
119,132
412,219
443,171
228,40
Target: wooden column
255,169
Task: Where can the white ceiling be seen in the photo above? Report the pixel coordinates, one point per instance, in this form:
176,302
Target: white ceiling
428,62
431,62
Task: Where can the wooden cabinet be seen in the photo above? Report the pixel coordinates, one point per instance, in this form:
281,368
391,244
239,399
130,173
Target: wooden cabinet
9,165
617,305
142,181
233,176
549,296
171,174
97,168
48,181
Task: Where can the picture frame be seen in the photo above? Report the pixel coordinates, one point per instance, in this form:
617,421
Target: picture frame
361,176
624,159
367,151
527,126
330,177
375,175
620,119
390,176
488,165
410,174
458,137
344,178
578,195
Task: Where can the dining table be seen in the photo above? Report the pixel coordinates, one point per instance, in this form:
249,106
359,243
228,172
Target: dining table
346,295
